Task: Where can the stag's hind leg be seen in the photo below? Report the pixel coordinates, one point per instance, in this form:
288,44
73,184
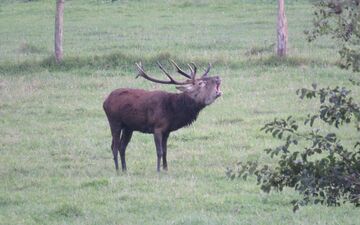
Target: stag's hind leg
125,139
115,132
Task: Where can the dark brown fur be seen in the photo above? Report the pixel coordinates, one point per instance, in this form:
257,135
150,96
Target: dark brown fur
131,110
147,111
157,112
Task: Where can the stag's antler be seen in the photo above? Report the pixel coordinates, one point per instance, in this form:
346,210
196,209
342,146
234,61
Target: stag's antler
171,80
180,70
207,70
192,70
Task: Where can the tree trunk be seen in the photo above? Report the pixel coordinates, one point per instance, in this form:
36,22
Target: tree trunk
59,30
282,30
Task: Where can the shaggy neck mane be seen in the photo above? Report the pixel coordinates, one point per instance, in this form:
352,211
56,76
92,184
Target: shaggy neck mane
184,110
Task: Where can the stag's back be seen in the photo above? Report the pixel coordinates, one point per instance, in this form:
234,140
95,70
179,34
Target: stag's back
135,108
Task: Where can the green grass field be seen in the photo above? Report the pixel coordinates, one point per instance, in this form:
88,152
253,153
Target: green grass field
56,165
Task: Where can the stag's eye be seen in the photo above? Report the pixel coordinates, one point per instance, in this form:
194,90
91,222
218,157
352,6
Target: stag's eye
202,83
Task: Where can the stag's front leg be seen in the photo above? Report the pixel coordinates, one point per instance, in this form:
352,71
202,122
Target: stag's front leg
164,147
158,137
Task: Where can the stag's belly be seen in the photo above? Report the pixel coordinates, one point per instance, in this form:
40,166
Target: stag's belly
143,128
145,120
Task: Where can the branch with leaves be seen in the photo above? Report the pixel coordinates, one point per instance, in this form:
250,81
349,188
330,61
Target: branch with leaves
339,19
314,163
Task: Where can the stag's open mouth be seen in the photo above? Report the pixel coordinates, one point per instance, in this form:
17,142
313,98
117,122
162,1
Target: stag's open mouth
218,91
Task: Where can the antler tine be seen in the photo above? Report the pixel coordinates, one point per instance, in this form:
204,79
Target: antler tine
140,70
207,70
180,70
194,68
193,71
144,75
166,73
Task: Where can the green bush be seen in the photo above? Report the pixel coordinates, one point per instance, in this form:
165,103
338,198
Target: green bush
314,163
340,20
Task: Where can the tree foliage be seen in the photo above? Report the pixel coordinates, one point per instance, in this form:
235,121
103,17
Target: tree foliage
313,162
339,19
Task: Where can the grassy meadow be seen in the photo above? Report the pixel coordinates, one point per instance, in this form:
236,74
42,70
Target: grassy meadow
56,165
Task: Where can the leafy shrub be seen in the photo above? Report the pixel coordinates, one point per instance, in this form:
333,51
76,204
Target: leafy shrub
340,20
314,163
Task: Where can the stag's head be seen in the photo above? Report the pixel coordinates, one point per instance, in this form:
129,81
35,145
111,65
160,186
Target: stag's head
203,90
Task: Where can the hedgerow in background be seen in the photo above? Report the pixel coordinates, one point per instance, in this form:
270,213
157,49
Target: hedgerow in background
339,19
313,162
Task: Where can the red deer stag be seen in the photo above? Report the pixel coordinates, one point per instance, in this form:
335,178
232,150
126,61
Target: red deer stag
158,112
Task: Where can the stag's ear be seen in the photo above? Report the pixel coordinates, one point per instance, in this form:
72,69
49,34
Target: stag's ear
184,88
